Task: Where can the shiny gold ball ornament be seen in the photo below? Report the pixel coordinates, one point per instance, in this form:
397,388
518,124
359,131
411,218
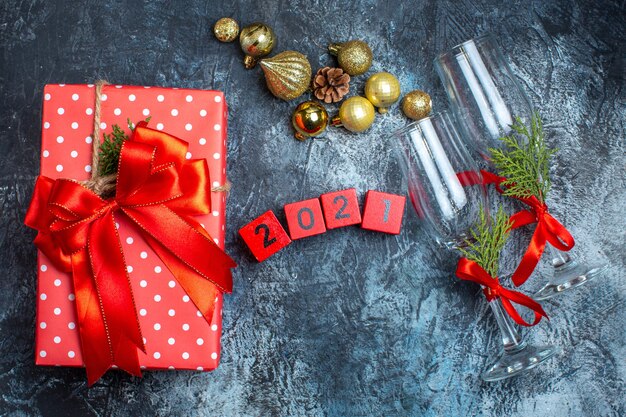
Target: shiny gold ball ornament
354,57
309,119
382,90
355,114
416,105
257,40
287,74
226,29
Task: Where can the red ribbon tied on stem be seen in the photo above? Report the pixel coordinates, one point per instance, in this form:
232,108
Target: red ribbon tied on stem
471,271
548,228
158,190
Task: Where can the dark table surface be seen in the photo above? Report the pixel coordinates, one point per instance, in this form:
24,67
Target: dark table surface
350,323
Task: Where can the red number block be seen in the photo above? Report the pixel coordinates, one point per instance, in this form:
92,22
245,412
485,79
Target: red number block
383,212
341,208
305,218
264,236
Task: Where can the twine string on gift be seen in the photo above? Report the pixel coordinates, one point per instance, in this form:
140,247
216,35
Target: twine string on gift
104,185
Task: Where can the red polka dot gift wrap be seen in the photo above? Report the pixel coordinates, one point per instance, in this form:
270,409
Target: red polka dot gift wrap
175,334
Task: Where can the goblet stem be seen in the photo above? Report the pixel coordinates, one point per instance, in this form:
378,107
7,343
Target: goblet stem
509,330
567,273
516,356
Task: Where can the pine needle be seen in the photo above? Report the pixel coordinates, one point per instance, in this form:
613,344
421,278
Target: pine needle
110,148
525,160
488,238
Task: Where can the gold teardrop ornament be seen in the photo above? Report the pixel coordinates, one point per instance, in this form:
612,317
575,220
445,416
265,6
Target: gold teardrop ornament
354,57
287,74
416,105
382,90
309,119
355,114
257,40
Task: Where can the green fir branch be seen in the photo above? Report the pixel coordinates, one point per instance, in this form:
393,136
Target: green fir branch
524,160
488,238
109,151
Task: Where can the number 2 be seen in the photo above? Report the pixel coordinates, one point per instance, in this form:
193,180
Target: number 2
340,214
266,240
387,208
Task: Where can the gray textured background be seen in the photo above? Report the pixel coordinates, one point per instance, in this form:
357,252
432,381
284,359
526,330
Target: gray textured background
350,323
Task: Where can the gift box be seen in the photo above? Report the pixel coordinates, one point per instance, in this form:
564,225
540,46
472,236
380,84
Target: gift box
175,333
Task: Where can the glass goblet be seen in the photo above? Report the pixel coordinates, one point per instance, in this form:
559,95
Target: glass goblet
434,160
486,97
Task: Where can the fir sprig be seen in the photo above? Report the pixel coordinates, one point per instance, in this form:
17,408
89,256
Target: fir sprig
488,238
109,151
524,160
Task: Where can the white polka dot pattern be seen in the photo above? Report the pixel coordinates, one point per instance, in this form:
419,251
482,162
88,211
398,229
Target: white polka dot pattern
177,337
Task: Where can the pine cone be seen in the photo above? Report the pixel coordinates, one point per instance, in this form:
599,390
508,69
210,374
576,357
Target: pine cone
331,84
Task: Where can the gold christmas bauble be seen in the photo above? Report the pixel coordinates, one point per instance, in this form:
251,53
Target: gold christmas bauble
226,29
287,74
382,90
355,114
256,40
354,57
416,105
309,119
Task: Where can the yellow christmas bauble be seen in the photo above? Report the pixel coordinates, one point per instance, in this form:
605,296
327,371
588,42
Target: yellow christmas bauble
354,57
226,29
256,40
309,119
355,114
416,105
383,90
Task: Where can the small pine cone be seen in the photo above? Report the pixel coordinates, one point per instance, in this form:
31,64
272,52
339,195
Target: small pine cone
331,84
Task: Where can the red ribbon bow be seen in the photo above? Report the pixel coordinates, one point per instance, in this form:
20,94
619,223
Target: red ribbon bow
548,228
158,190
471,271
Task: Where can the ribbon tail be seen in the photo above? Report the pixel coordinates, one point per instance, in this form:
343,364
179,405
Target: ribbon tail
531,257
516,316
182,240
202,292
95,347
115,294
509,296
558,235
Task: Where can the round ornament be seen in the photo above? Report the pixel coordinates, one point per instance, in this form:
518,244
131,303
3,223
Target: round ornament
382,90
226,29
309,120
287,74
257,40
354,57
416,105
355,114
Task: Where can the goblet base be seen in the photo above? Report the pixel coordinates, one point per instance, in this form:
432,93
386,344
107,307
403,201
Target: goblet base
514,362
569,275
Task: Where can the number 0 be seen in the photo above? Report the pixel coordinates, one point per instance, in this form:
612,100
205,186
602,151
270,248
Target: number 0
311,222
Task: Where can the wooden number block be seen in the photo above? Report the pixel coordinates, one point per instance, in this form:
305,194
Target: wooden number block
341,208
383,212
264,236
305,218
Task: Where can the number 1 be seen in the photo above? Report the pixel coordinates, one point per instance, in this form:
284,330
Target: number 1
387,208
